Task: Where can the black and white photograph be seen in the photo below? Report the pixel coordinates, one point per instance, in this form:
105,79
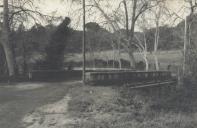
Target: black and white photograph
98,63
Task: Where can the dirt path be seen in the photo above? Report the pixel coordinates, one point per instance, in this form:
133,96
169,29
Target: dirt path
70,111
16,101
52,115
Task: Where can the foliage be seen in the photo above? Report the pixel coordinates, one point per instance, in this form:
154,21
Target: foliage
169,39
3,68
191,51
57,44
191,67
37,38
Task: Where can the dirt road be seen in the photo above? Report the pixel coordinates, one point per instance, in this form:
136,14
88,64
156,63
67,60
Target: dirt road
18,100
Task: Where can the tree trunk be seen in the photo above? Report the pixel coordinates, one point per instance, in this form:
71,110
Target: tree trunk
3,65
93,59
132,32
147,64
84,43
127,18
145,52
132,59
156,61
185,45
24,58
156,46
133,20
119,55
114,57
6,41
119,59
91,54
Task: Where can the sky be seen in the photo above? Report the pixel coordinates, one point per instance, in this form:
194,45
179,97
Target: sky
66,8
62,7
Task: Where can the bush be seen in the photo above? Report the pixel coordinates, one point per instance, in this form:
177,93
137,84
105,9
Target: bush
57,45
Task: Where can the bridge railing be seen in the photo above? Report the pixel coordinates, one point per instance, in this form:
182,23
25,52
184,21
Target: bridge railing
127,77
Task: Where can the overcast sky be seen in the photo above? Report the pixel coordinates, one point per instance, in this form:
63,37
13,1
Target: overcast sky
49,5
65,8
68,9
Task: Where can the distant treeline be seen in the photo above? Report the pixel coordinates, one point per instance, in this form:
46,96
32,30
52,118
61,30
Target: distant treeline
37,38
32,43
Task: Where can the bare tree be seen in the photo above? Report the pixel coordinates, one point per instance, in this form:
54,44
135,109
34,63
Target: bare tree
157,14
142,41
15,13
137,8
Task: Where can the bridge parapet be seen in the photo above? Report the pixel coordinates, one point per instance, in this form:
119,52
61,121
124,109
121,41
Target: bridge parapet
127,77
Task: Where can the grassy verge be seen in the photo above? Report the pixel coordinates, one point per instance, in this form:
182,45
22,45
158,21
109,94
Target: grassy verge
121,107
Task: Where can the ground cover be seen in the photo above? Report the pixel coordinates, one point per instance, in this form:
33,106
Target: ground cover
117,107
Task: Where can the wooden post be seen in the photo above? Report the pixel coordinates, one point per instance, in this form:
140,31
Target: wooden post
84,43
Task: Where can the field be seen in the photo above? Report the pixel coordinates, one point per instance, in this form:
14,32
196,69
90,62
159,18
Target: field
165,57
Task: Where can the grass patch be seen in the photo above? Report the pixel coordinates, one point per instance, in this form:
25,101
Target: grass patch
121,107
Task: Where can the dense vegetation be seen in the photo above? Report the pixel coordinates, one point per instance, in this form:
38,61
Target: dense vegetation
34,44
38,37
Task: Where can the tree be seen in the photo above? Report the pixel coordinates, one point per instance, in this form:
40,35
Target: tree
142,41
56,47
189,50
137,9
98,39
116,20
19,11
6,40
92,40
92,29
159,13
157,17
26,12
21,35
3,67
